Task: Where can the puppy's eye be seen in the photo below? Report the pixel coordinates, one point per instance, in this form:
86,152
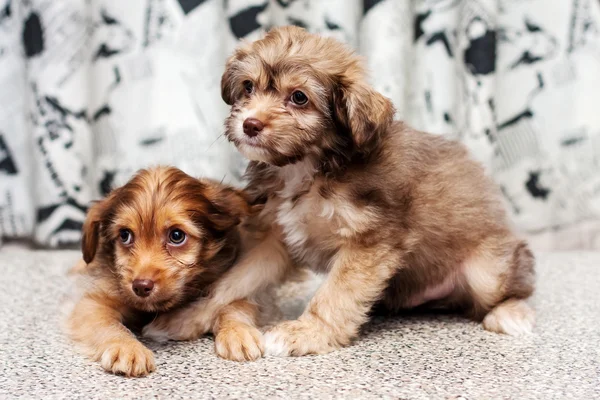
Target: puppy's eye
177,237
126,236
248,86
299,98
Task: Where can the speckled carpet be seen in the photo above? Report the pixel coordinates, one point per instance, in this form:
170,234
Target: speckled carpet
413,357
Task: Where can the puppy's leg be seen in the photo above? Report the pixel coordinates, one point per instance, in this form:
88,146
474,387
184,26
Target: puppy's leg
500,278
97,327
340,306
263,265
237,337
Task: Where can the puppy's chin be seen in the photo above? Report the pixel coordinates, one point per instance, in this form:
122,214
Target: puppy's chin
254,153
268,156
153,303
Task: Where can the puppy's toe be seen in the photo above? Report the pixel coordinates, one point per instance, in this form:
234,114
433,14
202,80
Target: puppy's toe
512,317
129,359
239,343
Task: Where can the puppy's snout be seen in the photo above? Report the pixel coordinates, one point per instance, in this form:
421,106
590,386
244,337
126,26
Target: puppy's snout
253,126
142,287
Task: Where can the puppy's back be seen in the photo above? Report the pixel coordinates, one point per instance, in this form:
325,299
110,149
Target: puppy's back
431,184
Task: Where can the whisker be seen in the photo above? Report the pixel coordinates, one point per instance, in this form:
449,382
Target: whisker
215,141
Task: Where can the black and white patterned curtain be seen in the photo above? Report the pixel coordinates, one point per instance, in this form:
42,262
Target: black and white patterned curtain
92,90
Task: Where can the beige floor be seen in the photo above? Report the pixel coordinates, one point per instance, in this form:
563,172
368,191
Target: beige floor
584,235
416,357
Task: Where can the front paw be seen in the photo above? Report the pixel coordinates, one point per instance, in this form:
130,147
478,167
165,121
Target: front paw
299,338
177,325
239,343
131,359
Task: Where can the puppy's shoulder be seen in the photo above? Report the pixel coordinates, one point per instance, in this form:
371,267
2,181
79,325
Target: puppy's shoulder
405,139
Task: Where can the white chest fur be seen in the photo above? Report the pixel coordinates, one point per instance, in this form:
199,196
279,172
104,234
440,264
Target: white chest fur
293,215
312,225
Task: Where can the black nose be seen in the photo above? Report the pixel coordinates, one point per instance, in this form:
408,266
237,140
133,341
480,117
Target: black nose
253,126
142,287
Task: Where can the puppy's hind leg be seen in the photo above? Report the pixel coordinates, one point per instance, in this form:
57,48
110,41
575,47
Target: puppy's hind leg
500,278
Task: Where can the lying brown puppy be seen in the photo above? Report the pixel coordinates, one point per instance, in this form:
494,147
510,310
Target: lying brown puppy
152,246
393,215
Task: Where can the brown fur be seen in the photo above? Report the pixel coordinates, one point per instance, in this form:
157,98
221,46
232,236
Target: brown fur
151,205
395,216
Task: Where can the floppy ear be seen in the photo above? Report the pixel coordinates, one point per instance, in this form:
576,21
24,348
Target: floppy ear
228,206
365,112
91,231
96,215
230,83
227,82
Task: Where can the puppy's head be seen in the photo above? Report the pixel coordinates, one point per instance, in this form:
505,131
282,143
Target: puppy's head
165,236
295,94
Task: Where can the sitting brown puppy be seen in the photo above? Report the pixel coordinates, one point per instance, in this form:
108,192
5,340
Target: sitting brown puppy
395,217
152,246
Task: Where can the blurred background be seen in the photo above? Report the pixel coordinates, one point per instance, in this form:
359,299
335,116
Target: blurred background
92,90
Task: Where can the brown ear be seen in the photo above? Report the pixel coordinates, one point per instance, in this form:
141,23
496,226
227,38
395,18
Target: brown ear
365,112
228,206
227,92
93,223
91,231
229,83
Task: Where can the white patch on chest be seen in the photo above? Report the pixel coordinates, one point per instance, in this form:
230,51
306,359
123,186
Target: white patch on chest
293,218
312,225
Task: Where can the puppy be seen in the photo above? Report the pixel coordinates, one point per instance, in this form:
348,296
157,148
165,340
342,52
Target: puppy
152,246
397,218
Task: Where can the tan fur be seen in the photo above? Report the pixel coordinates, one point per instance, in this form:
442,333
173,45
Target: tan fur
396,217
151,205
237,336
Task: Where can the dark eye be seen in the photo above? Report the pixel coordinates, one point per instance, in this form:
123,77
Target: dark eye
177,237
248,86
125,236
299,98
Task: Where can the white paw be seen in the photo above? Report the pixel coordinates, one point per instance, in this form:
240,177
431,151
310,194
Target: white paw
299,338
513,317
275,344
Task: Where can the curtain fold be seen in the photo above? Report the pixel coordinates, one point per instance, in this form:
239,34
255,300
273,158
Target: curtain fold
93,90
